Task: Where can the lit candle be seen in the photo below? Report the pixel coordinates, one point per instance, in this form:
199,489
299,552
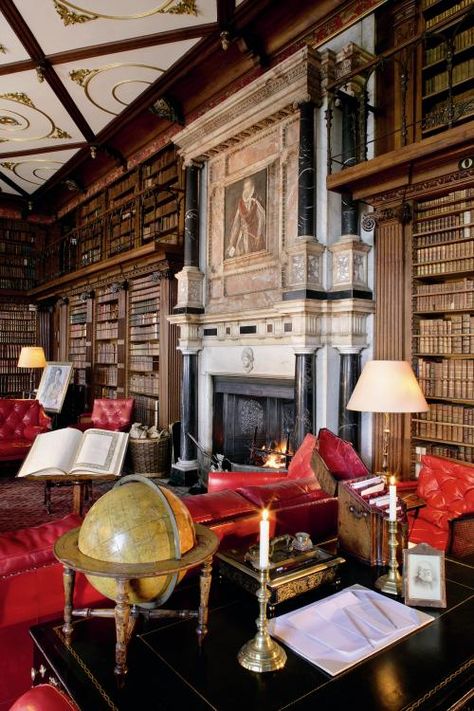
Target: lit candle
264,539
392,507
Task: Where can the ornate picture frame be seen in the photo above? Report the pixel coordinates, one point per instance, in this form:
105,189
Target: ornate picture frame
424,583
53,386
245,215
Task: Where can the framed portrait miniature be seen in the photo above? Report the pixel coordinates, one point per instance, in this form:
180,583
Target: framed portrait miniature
245,215
424,576
53,386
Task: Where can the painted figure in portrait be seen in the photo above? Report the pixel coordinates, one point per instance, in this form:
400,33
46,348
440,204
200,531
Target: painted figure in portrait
245,215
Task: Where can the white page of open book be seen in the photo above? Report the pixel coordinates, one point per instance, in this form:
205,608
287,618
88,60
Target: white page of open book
101,452
52,453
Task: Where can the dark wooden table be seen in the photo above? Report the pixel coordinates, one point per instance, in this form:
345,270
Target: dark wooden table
431,669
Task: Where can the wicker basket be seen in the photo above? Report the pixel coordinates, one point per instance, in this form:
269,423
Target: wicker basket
151,457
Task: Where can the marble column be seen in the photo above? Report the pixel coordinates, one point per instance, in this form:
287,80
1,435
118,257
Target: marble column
349,207
186,470
191,217
349,420
305,394
306,172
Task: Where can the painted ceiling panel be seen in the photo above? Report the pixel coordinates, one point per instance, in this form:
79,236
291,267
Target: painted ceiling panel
30,172
11,49
5,188
62,25
102,87
31,116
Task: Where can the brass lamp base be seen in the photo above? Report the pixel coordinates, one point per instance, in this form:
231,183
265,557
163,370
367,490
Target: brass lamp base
262,653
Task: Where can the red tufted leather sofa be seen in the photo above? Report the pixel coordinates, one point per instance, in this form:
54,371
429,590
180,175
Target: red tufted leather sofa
108,414
44,697
447,487
20,422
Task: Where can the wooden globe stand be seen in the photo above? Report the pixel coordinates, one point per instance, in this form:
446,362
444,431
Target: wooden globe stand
67,552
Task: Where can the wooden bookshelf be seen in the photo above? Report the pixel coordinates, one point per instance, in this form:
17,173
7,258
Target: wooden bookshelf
144,347
80,337
20,245
17,329
448,64
443,323
109,332
161,194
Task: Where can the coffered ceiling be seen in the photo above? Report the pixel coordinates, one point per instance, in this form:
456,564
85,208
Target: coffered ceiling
68,71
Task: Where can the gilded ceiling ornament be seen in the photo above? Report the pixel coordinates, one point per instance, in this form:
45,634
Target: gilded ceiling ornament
69,17
3,49
44,164
25,124
72,14
8,165
82,76
19,97
8,121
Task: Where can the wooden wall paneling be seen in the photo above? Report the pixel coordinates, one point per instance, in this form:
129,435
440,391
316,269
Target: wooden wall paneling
392,329
170,357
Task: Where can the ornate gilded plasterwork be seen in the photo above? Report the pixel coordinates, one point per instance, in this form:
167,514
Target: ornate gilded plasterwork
85,79
72,14
14,122
43,164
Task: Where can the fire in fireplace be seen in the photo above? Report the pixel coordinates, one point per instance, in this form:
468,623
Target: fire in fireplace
250,415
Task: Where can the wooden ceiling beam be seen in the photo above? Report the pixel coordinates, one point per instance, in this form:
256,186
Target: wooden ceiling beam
45,149
13,185
29,42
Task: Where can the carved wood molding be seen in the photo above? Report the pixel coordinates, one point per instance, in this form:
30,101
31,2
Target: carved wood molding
423,188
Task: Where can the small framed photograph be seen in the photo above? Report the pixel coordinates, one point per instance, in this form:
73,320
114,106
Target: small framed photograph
423,576
53,386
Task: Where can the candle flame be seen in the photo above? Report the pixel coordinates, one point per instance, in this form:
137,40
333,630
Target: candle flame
265,515
393,481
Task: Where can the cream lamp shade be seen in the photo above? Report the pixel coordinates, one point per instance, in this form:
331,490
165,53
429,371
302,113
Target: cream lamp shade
387,386
31,357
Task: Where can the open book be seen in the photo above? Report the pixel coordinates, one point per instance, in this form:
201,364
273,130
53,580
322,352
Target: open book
69,451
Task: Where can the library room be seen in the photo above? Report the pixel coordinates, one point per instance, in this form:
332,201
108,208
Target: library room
236,355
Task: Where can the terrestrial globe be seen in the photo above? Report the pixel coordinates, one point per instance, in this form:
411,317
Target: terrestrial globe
137,522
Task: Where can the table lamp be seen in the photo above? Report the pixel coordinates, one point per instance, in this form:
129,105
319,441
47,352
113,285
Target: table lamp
31,357
387,386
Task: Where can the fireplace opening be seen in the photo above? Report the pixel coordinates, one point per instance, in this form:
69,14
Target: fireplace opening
250,415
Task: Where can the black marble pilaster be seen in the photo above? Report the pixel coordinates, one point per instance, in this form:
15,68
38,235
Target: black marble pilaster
185,471
305,395
349,207
191,217
306,172
349,420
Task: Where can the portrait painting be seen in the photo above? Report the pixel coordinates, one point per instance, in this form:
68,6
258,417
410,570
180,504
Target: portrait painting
53,386
423,576
245,215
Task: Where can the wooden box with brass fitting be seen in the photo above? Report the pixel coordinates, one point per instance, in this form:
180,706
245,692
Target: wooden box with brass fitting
362,528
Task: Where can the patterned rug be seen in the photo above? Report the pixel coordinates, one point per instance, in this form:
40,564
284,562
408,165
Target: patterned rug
21,502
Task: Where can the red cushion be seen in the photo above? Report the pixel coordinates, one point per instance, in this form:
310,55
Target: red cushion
112,414
15,415
447,487
233,480
218,506
421,531
340,456
14,449
301,465
284,493
44,697
32,547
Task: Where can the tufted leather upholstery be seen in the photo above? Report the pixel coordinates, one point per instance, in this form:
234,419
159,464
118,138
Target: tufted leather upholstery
20,422
301,467
44,697
340,456
108,414
447,486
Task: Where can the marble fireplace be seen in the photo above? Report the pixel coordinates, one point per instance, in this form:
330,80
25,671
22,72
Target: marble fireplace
262,296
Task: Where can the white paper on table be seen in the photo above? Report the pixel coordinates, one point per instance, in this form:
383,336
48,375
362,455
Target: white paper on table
341,630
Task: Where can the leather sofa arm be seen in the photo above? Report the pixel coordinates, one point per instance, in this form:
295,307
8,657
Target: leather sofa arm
32,431
218,481
461,536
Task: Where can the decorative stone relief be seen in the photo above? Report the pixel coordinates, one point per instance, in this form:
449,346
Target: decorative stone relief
349,263
304,268
247,359
190,285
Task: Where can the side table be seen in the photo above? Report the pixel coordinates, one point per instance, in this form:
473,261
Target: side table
67,551
80,484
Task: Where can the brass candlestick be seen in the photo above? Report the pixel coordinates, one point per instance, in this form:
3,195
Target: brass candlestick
262,653
391,582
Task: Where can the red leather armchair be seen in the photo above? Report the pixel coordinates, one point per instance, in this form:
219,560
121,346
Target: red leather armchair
108,414
20,422
44,697
447,520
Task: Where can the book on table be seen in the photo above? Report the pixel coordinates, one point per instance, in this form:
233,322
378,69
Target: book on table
70,452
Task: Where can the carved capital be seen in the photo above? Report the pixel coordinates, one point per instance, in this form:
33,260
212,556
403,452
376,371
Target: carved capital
348,60
304,268
190,288
402,213
349,263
